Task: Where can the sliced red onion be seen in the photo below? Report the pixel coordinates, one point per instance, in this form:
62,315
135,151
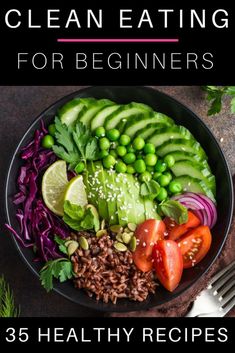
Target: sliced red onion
203,207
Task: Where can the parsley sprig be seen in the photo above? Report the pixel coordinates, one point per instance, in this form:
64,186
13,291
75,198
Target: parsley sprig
61,269
74,143
215,96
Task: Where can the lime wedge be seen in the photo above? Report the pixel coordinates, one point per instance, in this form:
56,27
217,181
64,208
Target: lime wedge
75,191
54,184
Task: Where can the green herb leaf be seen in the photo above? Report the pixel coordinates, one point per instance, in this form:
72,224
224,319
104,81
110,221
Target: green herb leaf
91,152
80,218
215,95
60,268
61,243
175,210
149,189
75,212
7,303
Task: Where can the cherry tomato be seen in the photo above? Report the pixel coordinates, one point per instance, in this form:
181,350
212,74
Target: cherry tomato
147,234
168,263
194,245
175,231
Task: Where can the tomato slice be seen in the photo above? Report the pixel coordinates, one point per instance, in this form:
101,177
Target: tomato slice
194,245
147,234
168,263
175,231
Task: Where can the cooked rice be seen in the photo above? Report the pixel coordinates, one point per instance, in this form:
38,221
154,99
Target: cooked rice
108,274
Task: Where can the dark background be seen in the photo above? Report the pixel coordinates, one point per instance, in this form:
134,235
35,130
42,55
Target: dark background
199,40
19,106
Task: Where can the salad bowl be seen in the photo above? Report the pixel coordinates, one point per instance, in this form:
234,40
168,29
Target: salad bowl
181,115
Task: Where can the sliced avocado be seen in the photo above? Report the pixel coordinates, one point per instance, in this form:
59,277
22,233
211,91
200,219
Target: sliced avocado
150,210
197,186
125,113
135,124
169,134
182,145
96,190
101,115
149,130
86,116
195,170
111,195
69,112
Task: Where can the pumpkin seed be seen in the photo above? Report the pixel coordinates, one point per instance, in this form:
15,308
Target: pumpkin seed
132,244
83,243
120,246
116,228
72,247
126,237
119,237
68,242
102,225
126,230
132,226
101,232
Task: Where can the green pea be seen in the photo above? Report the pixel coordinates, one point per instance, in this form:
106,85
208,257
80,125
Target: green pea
113,153
100,131
124,140
150,159
104,143
130,169
79,167
138,143
145,176
162,195
163,180
140,166
160,166
113,134
47,141
168,174
175,187
169,160
121,151
52,129
103,154
130,149
120,167
109,161
156,175
129,158
149,148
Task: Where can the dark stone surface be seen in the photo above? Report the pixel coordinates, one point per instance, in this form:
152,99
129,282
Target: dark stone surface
19,106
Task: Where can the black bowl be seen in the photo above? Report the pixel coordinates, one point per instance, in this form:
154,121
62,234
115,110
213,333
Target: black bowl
182,115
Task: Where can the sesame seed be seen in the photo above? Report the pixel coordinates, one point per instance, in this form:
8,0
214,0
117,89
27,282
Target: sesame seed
222,139
146,230
144,244
168,244
185,242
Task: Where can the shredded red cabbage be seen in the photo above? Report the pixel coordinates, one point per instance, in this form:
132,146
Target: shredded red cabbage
38,225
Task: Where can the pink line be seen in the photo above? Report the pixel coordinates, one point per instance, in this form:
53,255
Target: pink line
118,40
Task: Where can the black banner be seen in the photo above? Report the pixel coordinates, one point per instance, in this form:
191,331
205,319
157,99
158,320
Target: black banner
158,332
116,43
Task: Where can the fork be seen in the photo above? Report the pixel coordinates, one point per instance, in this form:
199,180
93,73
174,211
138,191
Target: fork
218,298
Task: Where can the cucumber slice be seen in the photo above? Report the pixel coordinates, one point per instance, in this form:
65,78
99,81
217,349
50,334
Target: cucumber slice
92,110
139,122
182,145
195,170
169,134
184,156
126,113
148,130
197,186
99,118
69,112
